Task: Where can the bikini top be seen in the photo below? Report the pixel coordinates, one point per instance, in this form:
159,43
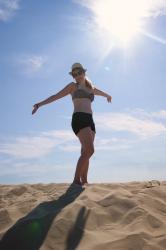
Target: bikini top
82,92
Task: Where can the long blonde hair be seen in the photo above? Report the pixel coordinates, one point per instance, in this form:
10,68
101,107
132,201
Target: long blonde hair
88,83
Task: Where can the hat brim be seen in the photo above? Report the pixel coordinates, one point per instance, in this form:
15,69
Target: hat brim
70,73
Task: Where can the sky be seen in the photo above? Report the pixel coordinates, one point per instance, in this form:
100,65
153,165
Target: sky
122,44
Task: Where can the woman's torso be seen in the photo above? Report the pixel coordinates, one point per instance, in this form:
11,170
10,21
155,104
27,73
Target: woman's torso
82,97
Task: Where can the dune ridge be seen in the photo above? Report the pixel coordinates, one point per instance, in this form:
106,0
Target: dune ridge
99,216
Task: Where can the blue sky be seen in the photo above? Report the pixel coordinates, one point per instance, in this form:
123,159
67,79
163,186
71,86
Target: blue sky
40,40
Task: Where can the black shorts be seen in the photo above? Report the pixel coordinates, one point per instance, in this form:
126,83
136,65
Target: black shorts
82,120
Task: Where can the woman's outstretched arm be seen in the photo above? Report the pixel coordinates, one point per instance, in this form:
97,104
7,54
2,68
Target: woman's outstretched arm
101,93
65,91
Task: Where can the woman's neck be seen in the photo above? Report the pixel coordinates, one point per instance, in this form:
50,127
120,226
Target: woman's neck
82,82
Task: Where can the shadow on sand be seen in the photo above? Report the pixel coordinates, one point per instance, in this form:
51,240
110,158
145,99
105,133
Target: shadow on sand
29,232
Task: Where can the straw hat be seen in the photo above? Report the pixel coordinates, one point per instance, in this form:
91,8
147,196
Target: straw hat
77,66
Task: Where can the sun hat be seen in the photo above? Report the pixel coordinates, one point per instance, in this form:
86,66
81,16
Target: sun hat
77,66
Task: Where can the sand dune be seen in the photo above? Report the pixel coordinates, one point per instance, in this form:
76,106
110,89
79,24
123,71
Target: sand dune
117,216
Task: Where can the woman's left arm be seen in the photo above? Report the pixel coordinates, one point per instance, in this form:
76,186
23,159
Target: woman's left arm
101,93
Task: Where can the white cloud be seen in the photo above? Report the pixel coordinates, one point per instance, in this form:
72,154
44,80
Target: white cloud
155,7
138,123
142,114
161,114
28,147
70,148
35,146
60,134
31,63
114,143
25,169
8,9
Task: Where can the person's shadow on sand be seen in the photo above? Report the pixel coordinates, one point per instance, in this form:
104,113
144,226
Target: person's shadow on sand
29,232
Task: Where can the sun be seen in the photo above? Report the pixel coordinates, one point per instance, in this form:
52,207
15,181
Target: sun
120,20
119,23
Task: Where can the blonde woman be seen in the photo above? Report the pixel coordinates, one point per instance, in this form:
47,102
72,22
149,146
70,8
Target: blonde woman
82,92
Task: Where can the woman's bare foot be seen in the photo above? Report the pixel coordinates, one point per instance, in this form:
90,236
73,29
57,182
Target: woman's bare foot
85,183
84,180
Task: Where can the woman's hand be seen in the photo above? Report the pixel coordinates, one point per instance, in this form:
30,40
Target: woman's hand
35,107
109,98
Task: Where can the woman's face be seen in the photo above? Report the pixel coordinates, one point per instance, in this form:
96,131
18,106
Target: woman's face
78,74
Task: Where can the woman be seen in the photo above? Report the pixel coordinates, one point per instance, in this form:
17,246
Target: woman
82,92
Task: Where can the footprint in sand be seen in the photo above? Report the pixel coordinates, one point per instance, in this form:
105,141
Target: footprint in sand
152,183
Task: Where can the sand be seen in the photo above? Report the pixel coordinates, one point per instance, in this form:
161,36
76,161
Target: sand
99,216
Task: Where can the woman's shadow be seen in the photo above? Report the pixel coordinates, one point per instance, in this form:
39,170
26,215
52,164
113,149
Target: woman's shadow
29,232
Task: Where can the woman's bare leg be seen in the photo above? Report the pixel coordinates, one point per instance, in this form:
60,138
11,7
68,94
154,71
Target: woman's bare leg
86,137
80,168
84,170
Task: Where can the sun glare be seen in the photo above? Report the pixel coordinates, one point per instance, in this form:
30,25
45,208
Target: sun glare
121,20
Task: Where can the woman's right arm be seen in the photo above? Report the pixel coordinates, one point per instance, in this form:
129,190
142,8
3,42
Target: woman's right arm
65,91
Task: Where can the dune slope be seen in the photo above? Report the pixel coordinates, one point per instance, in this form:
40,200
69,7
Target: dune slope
101,216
